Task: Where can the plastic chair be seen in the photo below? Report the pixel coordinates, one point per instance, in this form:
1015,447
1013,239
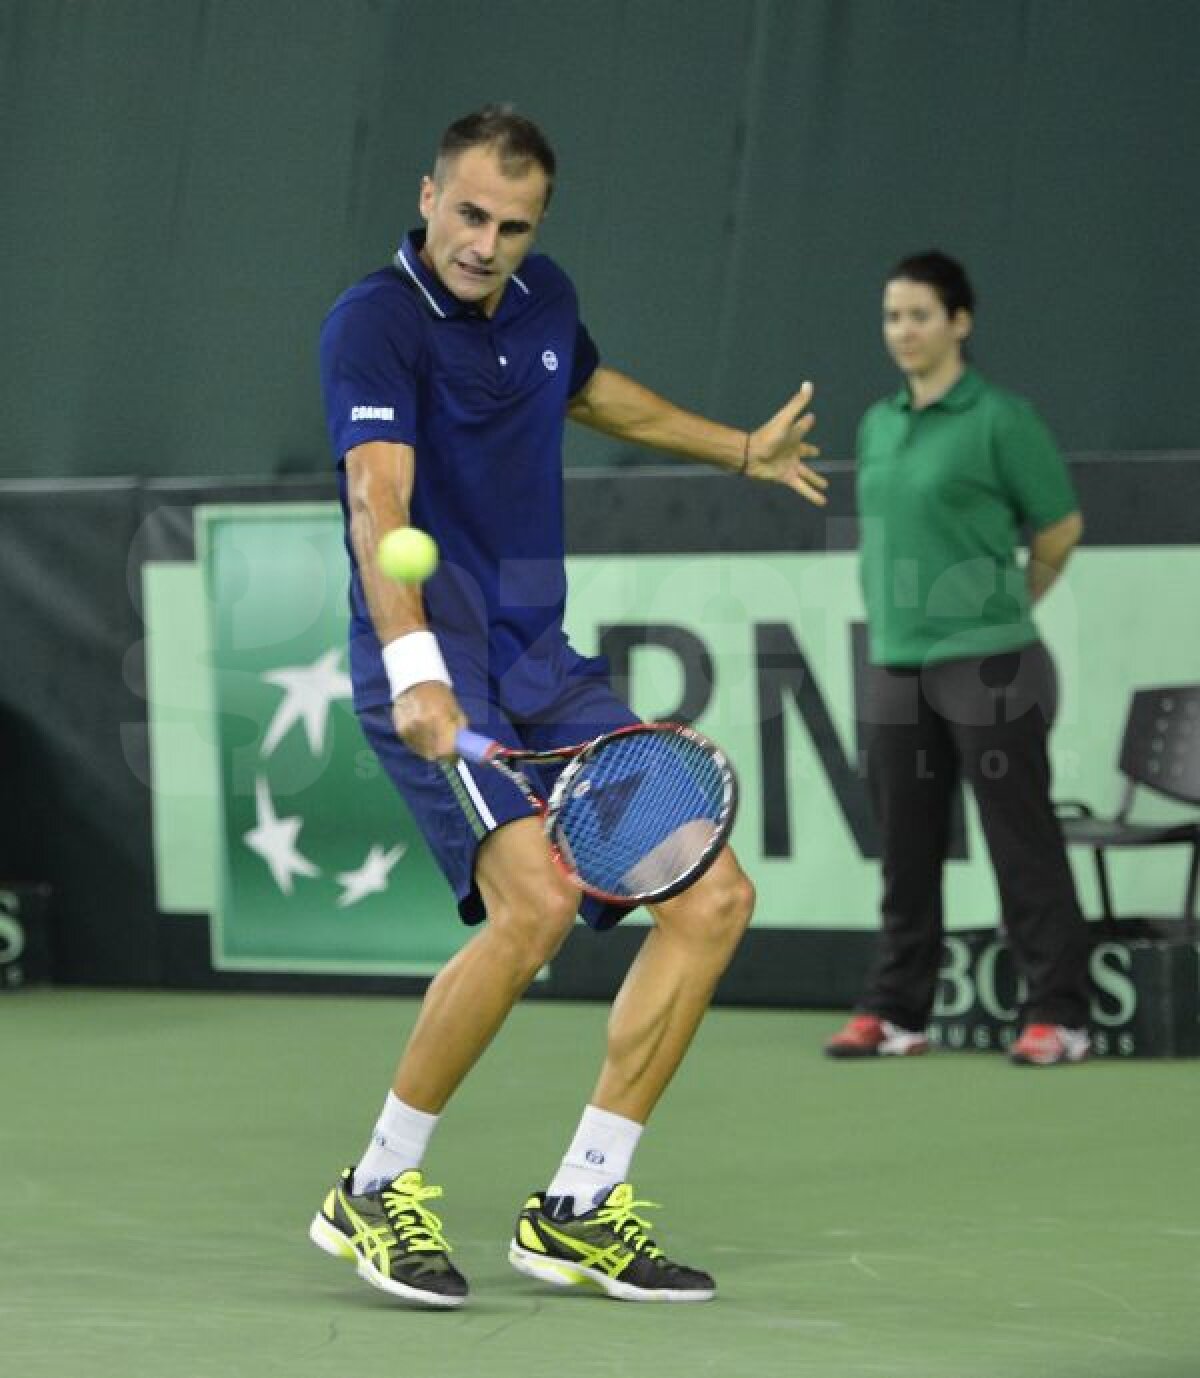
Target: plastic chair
1160,750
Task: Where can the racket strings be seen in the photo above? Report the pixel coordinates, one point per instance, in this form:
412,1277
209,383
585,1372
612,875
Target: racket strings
639,815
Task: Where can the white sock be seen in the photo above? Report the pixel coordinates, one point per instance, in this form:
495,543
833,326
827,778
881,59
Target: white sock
398,1143
598,1158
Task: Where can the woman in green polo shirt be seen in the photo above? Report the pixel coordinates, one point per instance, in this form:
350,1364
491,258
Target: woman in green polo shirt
951,472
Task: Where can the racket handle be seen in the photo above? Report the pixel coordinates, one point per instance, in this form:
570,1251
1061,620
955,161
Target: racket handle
474,746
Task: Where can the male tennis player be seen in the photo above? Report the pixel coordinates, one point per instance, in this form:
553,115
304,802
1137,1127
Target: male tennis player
447,378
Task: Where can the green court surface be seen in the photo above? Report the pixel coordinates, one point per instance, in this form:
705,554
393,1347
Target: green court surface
946,1217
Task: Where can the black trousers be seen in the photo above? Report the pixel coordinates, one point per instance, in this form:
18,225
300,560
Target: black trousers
985,719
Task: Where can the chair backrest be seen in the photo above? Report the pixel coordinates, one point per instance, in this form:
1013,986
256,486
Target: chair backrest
1161,746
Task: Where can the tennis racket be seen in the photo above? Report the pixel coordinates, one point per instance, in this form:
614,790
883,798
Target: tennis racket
636,815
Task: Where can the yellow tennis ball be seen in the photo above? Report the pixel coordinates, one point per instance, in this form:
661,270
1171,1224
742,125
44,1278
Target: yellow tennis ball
407,555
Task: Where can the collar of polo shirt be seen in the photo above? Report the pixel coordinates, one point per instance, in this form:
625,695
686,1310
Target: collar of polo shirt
438,301
963,394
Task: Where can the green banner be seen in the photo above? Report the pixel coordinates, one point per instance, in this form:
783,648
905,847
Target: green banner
320,868
323,867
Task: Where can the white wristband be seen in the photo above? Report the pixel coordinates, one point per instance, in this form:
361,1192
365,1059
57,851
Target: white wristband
413,659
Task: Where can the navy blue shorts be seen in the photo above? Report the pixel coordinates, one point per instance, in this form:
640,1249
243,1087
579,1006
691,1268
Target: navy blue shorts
457,807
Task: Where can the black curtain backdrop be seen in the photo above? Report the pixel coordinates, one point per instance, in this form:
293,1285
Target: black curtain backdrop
187,186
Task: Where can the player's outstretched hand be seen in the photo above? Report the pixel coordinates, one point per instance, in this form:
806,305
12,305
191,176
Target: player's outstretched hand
427,716
778,449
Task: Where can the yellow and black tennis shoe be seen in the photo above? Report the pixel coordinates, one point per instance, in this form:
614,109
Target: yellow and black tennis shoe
607,1248
392,1237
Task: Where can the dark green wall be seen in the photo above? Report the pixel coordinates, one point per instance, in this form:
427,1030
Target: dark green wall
187,183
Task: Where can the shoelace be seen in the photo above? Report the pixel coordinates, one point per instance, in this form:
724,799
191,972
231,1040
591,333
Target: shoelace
619,1212
411,1220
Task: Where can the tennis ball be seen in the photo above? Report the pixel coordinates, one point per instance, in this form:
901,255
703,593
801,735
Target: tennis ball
407,555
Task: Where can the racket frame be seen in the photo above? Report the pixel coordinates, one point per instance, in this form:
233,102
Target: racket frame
509,760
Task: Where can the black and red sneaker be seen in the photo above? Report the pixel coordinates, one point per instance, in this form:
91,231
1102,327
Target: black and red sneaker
1045,1045
866,1035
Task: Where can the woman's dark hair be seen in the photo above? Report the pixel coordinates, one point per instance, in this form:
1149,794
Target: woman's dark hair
944,274
518,142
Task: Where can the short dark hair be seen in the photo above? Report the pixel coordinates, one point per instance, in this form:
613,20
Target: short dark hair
944,274
518,142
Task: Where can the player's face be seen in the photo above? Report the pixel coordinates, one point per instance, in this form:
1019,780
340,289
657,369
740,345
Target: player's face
480,224
920,336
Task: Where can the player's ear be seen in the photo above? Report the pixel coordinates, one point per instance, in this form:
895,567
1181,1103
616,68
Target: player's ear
963,323
427,197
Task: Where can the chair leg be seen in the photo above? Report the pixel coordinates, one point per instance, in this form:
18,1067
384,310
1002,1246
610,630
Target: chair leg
1106,906
1189,899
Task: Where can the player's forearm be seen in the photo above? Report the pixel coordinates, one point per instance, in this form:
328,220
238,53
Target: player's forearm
1049,551
395,609
378,504
620,407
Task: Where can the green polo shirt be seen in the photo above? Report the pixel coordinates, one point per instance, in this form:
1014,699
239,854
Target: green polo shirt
944,494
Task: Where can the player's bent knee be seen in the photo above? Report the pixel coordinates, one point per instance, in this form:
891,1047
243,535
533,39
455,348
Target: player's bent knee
716,910
533,928
743,899
530,950
734,904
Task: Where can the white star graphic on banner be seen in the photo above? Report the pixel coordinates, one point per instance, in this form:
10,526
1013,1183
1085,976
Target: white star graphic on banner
371,878
274,839
308,692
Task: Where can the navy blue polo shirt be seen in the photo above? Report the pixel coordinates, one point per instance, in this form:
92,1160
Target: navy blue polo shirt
482,401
